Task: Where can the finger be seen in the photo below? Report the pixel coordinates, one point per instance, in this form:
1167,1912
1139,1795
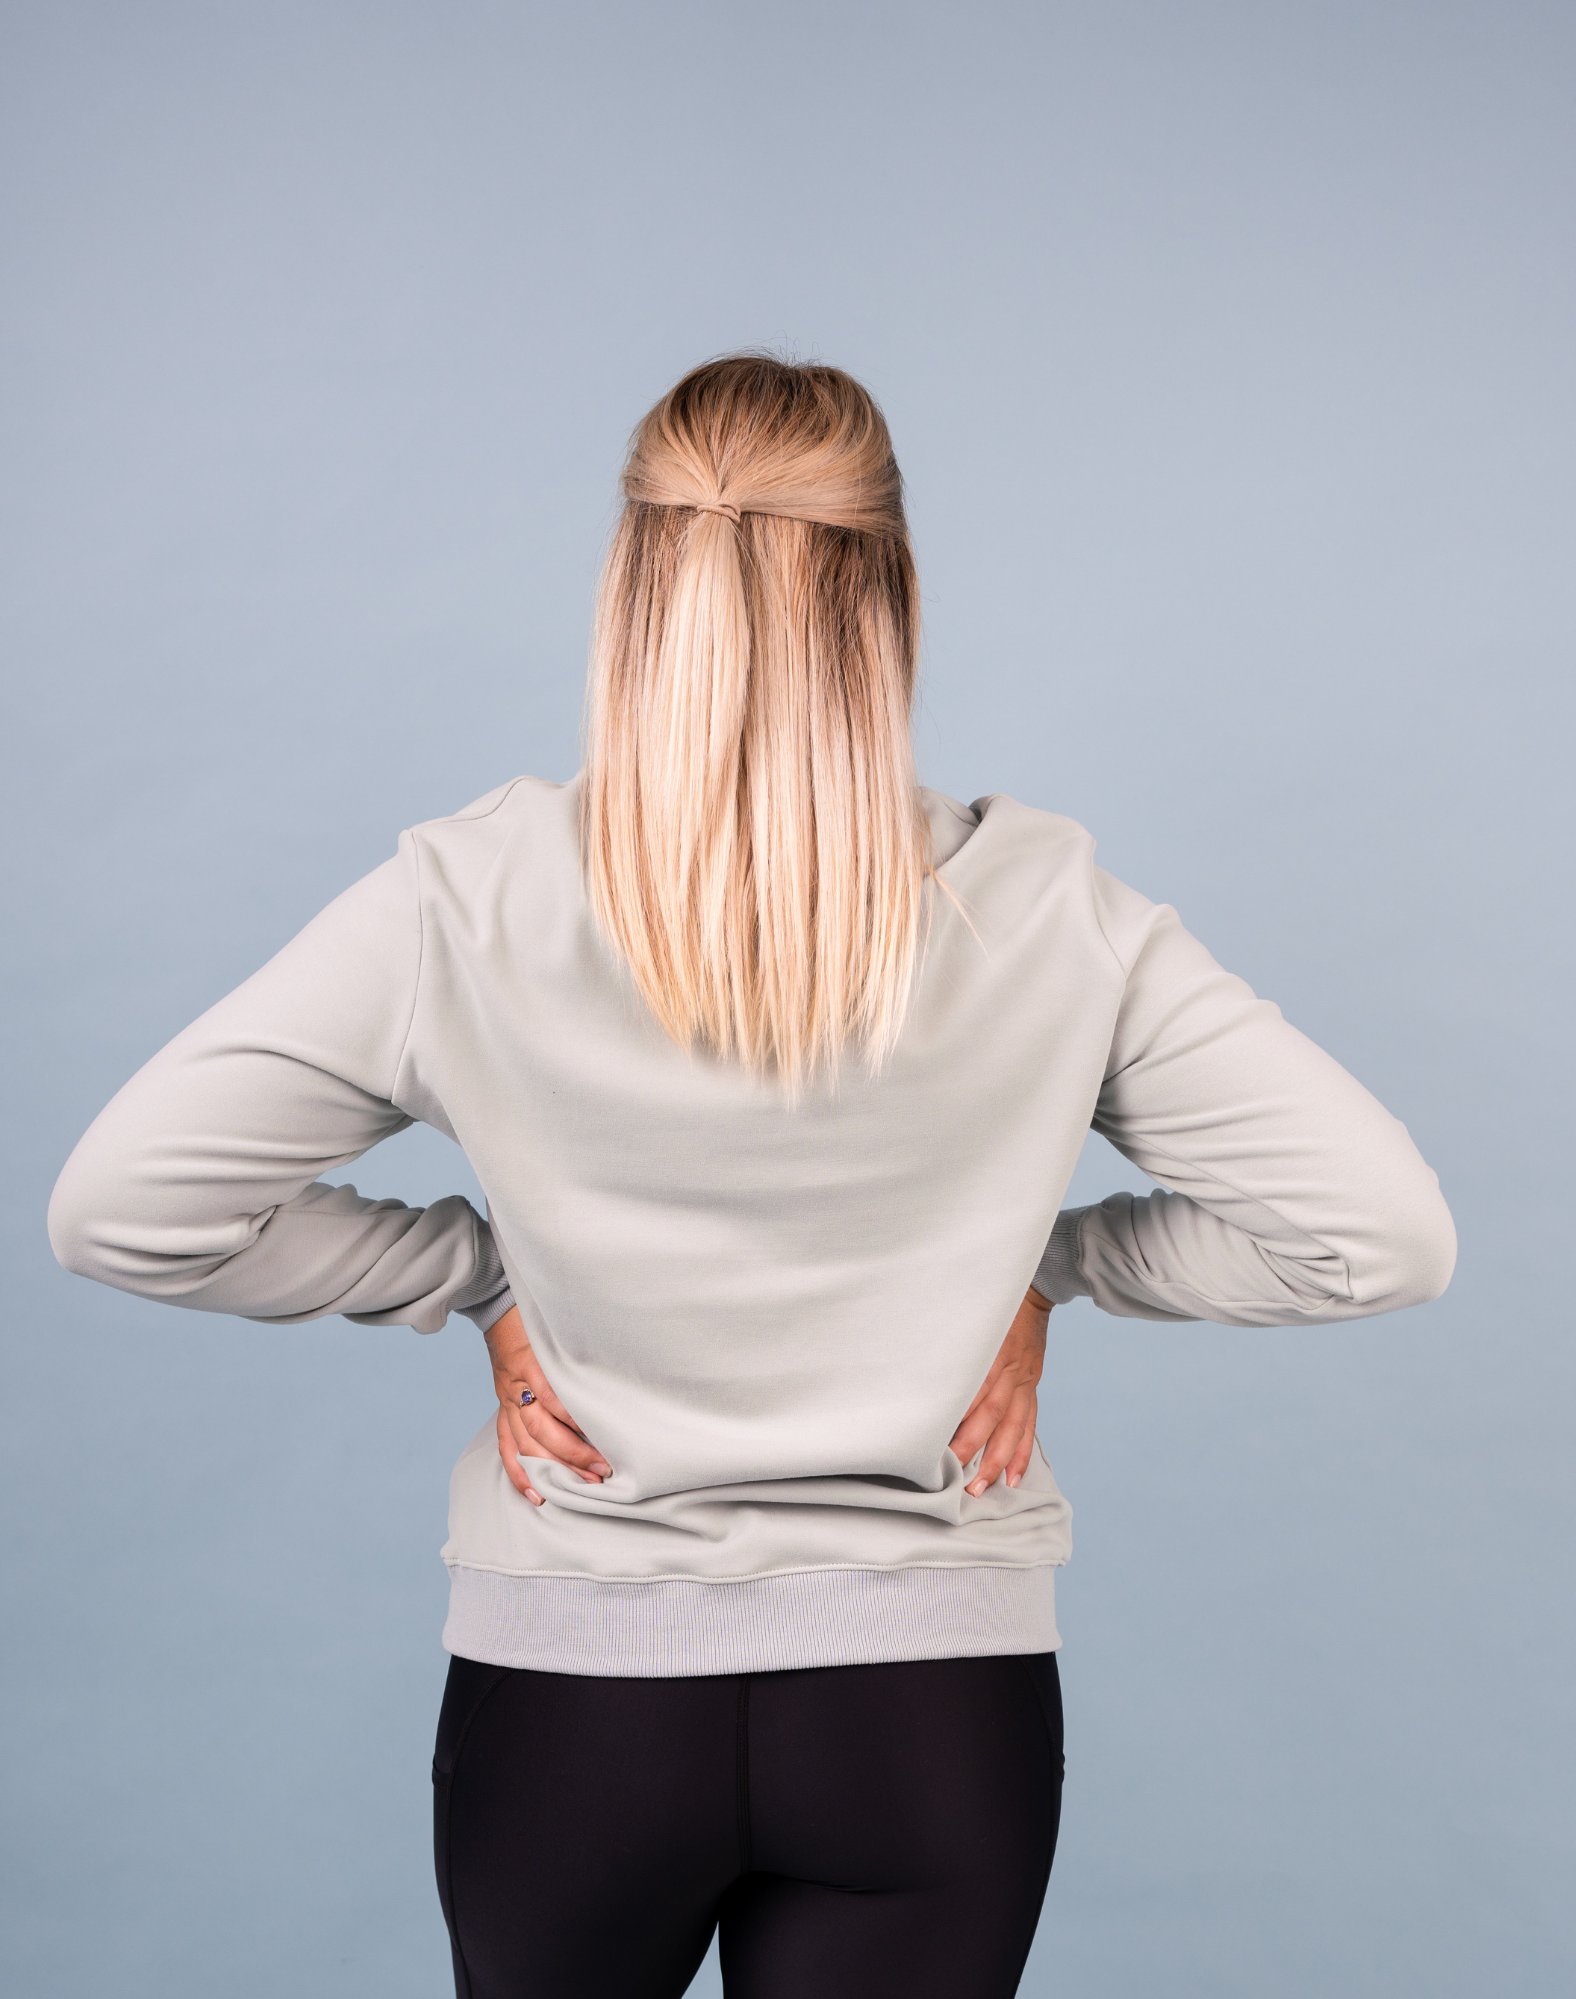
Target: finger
562,1443
513,1469
548,1399
999,1451
527,1368
1002,1443
558,1441
987,1390
991,1379
509,1386
525,1441
1018,1464
525,1445
976,1427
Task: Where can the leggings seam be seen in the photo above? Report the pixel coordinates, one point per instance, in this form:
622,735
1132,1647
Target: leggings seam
1058,1766
500,1674
742,1773
1058,1756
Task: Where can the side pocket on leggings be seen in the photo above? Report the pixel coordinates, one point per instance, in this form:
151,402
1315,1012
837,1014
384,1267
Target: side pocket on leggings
468,1685
1042,1669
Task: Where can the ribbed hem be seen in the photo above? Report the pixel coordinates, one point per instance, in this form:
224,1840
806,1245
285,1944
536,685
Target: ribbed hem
758,1624
1058,1277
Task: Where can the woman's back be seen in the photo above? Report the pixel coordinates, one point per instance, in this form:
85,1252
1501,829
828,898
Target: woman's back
769,1311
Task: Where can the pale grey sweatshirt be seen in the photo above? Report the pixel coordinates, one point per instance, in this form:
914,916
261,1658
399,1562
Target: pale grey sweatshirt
769,1319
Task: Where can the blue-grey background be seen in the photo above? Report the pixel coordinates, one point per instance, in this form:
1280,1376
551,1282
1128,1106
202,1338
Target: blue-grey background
1228,350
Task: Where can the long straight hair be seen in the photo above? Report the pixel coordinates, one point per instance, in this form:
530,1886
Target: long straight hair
754,842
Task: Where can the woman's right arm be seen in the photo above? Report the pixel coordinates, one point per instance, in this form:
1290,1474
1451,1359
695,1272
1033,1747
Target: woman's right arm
1288,1195
201,1185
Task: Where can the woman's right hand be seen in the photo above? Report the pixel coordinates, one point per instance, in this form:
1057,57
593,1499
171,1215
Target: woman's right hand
540,1427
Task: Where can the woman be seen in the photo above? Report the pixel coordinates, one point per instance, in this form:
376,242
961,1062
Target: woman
774,1067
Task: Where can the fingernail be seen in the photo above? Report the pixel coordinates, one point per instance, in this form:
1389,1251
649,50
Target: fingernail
977,1487
600,1466
536,1499
1012,1479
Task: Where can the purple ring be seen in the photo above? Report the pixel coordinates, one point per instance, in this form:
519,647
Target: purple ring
526,1396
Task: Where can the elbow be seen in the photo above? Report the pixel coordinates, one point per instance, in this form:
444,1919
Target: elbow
1440,1264
88,1217
71,1231
1415,1254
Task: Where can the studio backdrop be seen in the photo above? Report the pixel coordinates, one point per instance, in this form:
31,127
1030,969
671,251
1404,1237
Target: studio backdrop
1228,352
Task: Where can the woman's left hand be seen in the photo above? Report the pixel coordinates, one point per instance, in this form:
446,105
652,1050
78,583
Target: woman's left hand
1002,1416
540,1427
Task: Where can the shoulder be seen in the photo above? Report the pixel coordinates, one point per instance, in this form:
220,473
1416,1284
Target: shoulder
1019,859
998,839
530,813
1007,827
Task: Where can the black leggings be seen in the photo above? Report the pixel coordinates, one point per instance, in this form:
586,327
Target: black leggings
855,1830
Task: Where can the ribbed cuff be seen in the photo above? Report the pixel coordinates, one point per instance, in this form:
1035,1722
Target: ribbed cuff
487,1297
1058,1277
485,1317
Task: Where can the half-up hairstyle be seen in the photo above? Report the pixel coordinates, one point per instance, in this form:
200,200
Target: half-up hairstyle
754,842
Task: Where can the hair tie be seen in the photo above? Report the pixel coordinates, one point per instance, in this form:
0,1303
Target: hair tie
718,507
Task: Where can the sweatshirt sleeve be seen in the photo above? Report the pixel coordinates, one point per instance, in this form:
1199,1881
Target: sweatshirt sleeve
1288,1195
199,1184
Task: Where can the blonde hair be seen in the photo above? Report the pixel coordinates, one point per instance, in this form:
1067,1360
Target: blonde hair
754,841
